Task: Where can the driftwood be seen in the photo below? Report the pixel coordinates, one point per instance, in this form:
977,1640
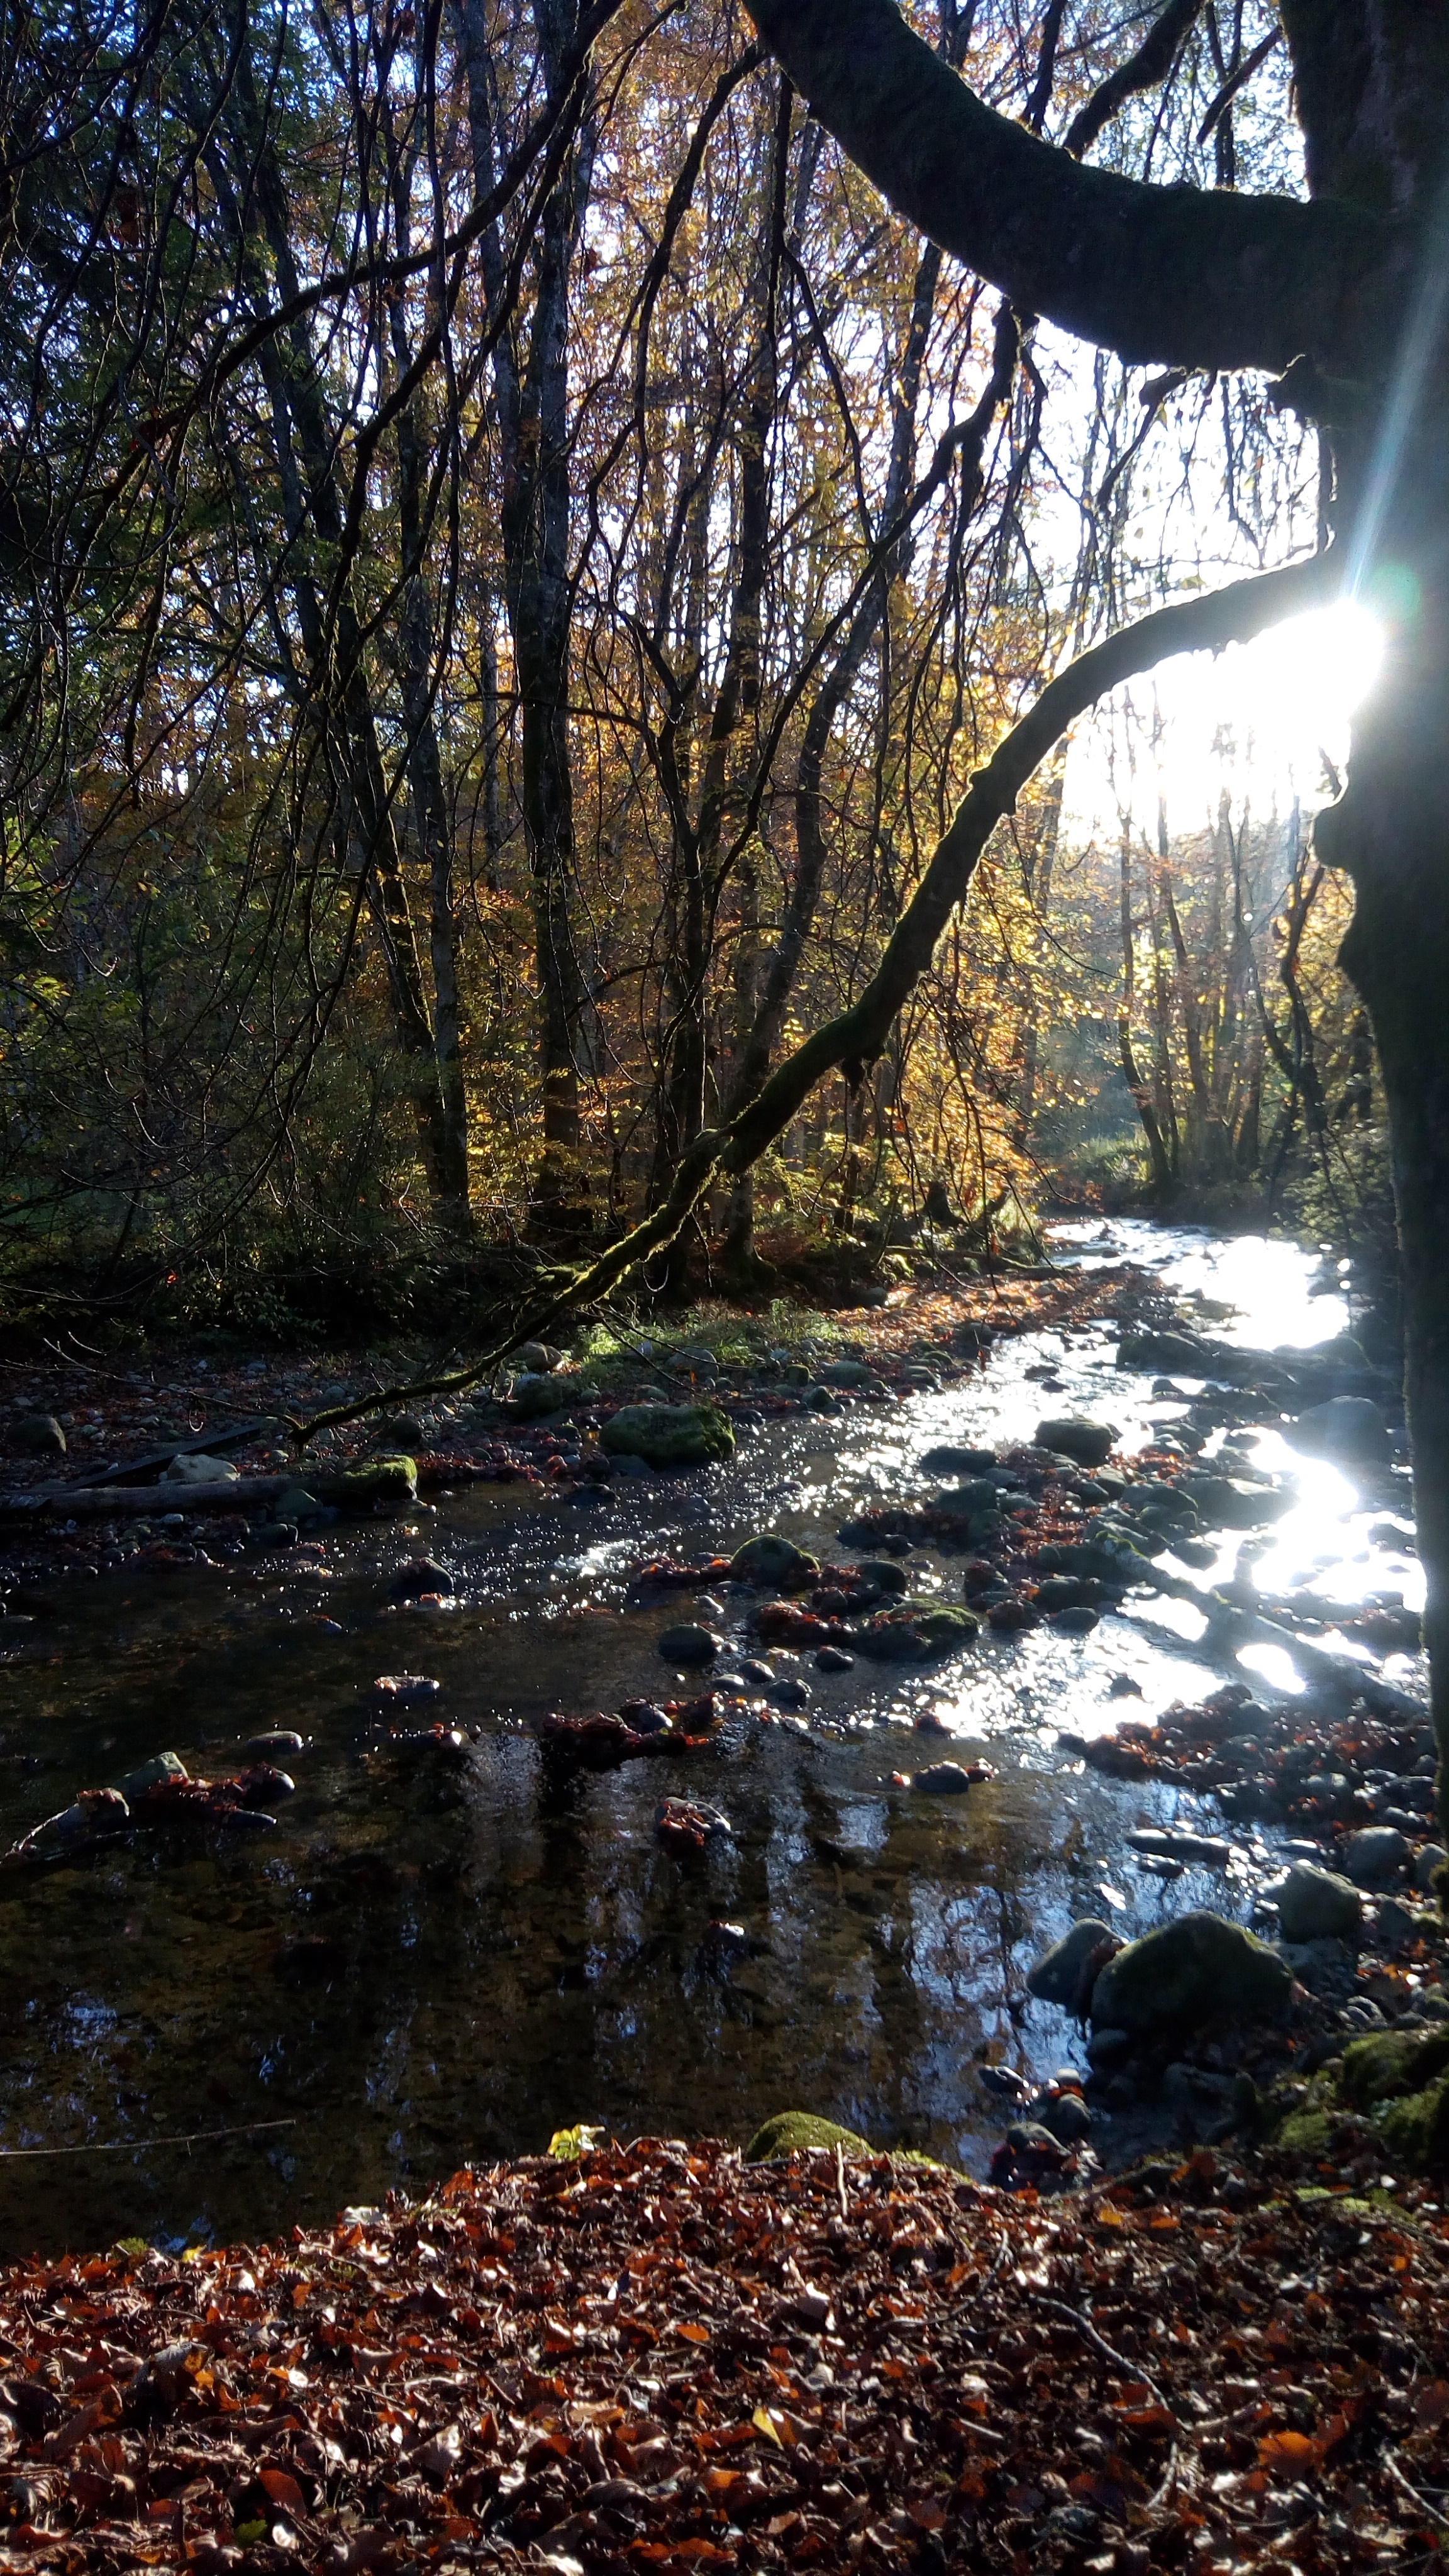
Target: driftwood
205,1444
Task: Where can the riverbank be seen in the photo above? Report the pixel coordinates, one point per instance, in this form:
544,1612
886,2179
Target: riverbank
657,2357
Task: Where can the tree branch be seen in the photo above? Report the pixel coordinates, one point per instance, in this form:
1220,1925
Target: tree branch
1146,69
1193,277
856,1036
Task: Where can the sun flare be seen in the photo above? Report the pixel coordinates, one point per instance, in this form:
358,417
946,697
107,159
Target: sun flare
1267,722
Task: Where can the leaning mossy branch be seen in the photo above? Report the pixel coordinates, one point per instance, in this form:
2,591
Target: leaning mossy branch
856,1037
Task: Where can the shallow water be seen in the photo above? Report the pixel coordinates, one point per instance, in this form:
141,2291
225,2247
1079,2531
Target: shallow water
429,1964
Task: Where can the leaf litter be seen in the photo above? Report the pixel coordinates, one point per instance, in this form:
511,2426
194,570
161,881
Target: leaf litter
655,2357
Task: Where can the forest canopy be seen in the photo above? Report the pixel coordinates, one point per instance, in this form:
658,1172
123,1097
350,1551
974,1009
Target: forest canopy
512,556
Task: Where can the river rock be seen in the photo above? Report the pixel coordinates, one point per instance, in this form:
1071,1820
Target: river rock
536,1393
1375,1854
1058,1975
539,1359
37,1435
1195,1969
669,1435
883,1575
1078,1620
194,1467
944,1779
1317,1905
947,1460
773,1562
847,1373
1350,1427
424,1575
833,1659
1432,1857
401,1431
1067,2117
687,1644
965,1501
1071,1435
150,1775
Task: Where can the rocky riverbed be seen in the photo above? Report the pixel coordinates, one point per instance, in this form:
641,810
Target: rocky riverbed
1093,1607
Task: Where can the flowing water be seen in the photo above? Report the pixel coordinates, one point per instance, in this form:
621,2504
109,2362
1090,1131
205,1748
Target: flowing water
432,1963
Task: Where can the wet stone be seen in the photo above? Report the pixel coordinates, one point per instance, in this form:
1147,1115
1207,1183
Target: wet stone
1068,2118
944,1779
834,1659
687,1644
1058,1974
1375,1854
1072,1435
1195,1969
1316,1904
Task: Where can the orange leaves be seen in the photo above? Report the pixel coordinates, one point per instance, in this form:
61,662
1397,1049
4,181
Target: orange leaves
283,2490
1292,2451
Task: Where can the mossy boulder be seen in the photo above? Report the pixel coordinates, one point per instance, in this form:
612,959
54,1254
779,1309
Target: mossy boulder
773,1563
1397,2079
535,1393
393,1479
669,1435
915,1634
793,2132
1195,1969
1415,2128
1071,1435
1390,2062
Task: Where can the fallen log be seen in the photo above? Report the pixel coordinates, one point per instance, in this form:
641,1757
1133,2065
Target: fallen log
123,1502
355,1489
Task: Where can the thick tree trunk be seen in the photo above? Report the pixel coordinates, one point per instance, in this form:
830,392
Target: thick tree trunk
1391,832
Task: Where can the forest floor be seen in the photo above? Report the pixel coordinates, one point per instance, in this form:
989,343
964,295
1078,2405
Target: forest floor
659,2358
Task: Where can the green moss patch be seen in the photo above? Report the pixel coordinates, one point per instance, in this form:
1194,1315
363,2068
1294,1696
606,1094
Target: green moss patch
362,1489
791,2133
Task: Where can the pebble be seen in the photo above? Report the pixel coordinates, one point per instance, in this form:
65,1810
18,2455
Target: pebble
834,1659
280,1739
756,1670
791,1693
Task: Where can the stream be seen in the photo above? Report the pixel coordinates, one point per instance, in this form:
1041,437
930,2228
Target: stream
438,1962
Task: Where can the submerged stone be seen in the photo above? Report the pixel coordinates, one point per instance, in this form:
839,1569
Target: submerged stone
687,1644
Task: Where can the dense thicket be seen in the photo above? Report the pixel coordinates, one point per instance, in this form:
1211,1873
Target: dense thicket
509,556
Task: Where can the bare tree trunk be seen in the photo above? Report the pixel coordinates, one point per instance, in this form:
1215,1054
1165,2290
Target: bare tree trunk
1141,1094
336,678
532,405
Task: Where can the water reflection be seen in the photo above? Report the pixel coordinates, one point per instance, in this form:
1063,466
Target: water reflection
433,1962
